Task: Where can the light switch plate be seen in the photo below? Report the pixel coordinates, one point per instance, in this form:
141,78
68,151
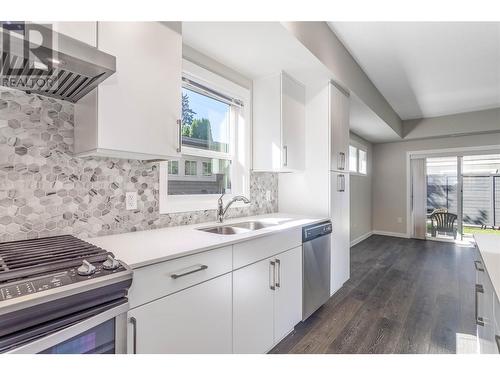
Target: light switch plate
131,200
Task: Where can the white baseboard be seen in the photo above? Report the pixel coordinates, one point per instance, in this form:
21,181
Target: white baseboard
391,234
361,238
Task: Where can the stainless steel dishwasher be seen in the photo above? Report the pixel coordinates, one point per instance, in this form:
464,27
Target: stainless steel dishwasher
316,248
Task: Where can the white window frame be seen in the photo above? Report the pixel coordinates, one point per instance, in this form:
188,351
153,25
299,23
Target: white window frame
239,153
363,148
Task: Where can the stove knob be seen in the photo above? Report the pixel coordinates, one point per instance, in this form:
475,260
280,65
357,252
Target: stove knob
86,269
110,263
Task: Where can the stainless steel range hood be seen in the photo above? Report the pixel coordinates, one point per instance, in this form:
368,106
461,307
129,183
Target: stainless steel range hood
55,65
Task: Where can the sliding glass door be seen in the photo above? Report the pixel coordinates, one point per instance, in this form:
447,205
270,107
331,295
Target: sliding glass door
442,197
481,194
462,196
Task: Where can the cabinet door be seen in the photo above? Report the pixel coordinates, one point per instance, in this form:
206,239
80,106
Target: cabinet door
293,123
253,308
83,31
339,212
339,129
288,293
485,311
139,105
195,320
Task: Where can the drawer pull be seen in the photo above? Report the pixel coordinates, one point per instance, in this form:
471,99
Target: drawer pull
497,339
478,265
479,319
188,271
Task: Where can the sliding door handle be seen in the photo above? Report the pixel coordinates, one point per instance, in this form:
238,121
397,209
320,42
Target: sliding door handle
285,156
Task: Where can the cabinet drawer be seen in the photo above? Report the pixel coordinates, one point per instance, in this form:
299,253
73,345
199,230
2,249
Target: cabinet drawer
158,280
195,320
261,248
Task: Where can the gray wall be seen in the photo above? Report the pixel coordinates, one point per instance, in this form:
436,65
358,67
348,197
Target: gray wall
361,194
324,44
458,124
389,175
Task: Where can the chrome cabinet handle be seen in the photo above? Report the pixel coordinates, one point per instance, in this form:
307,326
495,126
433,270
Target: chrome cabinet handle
134,332
497,339
278,272
341,161
179,146
285,157
272,275
341,183
478,266
188,271
479,319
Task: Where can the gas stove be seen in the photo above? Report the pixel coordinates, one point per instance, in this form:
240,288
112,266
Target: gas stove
50,283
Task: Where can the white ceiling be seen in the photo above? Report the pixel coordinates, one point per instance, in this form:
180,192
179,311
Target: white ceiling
427,69
254,49
257,49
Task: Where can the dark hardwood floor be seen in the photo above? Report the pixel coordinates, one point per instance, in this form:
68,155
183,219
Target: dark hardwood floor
404,296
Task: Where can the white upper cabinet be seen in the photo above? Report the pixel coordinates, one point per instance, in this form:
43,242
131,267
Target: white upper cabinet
134,113
278,124
83,31
339,129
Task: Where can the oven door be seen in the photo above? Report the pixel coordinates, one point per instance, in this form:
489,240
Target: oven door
102,333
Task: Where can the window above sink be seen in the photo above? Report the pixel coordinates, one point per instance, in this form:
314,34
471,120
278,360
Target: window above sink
216,139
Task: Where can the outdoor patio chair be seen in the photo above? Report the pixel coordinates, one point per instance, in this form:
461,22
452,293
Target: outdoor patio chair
443,222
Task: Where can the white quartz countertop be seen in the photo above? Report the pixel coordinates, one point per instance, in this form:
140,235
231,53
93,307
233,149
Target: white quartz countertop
139,249
489,247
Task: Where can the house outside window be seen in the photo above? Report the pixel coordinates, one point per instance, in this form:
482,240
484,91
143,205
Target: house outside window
207,168
215,144
173,167
190,168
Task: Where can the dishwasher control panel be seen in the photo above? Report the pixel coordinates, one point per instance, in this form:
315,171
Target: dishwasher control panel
313,231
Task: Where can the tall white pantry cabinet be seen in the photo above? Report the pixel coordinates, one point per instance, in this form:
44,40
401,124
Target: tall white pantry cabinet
323,187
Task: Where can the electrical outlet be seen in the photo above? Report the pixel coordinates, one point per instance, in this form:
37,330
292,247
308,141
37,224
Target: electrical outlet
131,200
268,195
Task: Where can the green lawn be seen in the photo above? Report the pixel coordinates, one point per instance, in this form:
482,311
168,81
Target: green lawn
473,230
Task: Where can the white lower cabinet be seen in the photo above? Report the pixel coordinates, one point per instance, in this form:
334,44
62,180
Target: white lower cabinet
288,295
267,301
253,306
194,320
485,303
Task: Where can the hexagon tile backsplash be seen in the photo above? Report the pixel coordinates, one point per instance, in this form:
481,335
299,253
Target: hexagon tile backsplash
45,191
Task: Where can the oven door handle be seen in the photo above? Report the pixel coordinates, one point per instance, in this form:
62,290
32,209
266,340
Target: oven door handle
58,336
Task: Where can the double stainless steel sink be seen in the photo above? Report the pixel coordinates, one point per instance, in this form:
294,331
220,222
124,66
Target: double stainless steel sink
238,228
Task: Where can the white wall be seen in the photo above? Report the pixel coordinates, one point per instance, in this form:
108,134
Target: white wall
458,124
389,198
361,194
